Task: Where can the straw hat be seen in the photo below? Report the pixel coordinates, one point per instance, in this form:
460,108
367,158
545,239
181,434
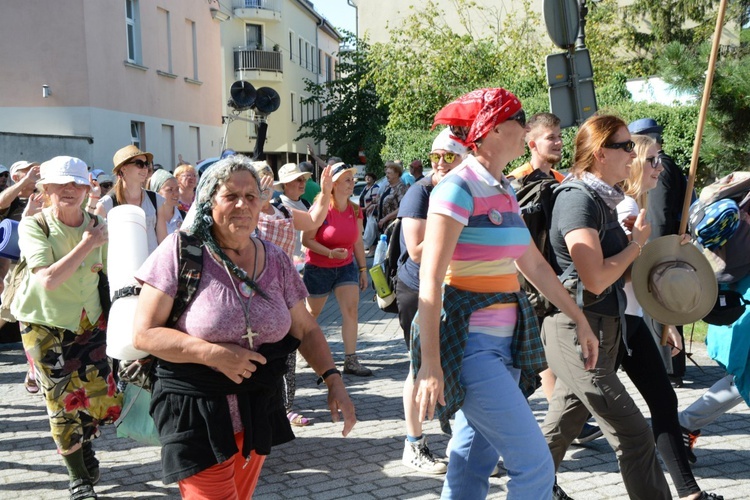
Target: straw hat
126,154
674,283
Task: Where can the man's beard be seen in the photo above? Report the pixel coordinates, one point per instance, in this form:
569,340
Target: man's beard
551,159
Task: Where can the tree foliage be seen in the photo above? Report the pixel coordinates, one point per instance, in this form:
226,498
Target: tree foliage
354,116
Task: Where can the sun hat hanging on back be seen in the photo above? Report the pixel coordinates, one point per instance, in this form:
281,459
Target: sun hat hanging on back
674,283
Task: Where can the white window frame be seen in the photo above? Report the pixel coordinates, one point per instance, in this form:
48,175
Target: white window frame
137,135
194,36
133,32
294,103
291,45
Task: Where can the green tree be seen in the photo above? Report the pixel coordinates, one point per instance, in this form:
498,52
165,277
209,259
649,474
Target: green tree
354,117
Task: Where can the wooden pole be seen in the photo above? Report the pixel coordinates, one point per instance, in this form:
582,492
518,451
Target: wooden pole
699,130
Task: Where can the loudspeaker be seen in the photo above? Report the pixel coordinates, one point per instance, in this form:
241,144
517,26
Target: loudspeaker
243,95
267,100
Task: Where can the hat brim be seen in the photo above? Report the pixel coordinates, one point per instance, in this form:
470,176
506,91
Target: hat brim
656,129
293,177
63,179
665,249
336,177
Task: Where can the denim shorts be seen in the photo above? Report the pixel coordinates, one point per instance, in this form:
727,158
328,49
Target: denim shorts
320,281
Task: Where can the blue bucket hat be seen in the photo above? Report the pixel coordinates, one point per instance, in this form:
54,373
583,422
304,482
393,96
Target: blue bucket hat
645,126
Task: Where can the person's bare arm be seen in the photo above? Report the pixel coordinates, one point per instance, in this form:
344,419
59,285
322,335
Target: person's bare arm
317,159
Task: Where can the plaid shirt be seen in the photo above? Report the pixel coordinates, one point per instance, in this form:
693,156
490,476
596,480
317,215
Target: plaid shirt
458,305
278,230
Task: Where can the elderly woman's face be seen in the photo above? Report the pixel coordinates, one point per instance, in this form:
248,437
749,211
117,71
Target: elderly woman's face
237,204
66,196
188,179
392,175
170,190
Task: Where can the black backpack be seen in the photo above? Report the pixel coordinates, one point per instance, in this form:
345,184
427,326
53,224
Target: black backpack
393,259
536,194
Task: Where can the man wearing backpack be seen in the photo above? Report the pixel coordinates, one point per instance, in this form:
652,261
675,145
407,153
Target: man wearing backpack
447,153
544,139
545,143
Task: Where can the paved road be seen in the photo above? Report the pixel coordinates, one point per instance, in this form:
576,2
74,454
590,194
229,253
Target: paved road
320,464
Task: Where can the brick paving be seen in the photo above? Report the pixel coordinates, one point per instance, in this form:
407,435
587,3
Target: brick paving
320,464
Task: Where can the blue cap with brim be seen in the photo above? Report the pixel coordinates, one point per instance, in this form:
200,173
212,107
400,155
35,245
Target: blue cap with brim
645,126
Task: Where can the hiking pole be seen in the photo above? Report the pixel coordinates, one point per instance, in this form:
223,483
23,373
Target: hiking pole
699,129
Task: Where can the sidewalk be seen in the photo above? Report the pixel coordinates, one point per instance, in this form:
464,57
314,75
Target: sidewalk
321,464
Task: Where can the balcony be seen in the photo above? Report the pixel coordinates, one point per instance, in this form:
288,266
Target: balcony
258,65
254,10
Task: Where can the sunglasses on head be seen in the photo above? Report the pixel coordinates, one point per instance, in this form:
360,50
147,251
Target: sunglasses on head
626,146
141,164
105,185
340,169
655,161
447,157
519,117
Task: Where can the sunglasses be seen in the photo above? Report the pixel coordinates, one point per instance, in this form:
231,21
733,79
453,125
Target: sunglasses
4,174
626,146
519,117
655,161
140,164
447,157
105,185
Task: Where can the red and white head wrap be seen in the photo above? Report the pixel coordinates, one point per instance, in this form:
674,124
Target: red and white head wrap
480,111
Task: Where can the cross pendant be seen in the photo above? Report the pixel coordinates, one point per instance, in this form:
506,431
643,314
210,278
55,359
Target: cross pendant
250,336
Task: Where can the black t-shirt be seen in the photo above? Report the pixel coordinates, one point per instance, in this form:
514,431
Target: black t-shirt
576,209
414,205
15,210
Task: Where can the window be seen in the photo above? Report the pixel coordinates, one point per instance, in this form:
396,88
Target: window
299,42
312,59
307,55
300,110
167,146
320,62
137,135
254,36
133,31
329,68
165,56
192,46
294,98
252,130
195,144
291,46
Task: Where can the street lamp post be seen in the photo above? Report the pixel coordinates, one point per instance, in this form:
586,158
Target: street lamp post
583,10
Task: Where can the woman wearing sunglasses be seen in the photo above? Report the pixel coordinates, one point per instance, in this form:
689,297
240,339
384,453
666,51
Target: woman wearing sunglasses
640,357
474,240
131,168
590,238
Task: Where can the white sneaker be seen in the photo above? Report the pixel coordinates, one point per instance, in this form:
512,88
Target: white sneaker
419,457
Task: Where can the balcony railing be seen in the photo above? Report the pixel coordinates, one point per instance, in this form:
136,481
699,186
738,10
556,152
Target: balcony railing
246,59
256,4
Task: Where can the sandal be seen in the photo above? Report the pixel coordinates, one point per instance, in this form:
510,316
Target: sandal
297,420
30,384
82,489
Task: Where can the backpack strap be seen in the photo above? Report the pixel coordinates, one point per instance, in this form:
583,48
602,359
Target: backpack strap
190,265
152,196
276,202
42,221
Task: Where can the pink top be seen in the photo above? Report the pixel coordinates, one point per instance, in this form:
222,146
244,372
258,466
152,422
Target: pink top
339,230
215,314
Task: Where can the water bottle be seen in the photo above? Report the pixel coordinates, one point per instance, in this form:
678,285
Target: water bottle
380,250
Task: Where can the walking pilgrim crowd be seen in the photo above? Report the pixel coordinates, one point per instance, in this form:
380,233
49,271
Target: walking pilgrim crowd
241,262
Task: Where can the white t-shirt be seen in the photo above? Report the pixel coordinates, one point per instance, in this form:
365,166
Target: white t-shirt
625,208
147,207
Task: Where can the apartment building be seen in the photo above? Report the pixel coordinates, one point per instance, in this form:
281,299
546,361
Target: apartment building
276,44
87,77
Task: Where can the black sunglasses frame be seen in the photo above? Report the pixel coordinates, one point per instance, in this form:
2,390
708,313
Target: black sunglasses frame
520,117
626,146
140,164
